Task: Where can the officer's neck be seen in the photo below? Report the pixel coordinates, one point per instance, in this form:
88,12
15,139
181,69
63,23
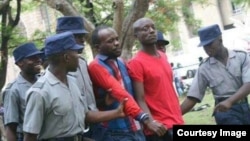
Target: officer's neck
59,73
29,77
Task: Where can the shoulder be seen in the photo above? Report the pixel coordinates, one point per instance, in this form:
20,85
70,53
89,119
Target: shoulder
241,53
10,85
39,84
205,61
9,89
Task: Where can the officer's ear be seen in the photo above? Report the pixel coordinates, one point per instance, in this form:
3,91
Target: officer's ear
20,63
97,47
66,57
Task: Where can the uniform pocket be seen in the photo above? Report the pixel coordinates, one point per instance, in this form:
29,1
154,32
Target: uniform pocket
62,110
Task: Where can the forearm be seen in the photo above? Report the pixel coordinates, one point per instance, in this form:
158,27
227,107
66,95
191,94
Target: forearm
187,104
30,137
145,108
101,116
11,134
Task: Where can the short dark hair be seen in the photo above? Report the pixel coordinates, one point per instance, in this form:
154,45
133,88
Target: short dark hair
95,37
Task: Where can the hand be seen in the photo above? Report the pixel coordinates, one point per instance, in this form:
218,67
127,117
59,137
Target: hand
223,106
156,127
120,109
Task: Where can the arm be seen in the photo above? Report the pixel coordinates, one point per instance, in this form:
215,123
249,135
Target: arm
102,116
188,104
101,78
11,114
11,133
34,114
154,126
30,137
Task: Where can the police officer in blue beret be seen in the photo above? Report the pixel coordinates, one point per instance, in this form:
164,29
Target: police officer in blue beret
75,25
227,73
161,42
27,58
56,109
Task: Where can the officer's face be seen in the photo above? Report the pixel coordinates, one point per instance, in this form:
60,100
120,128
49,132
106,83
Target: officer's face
109,43
212,49
31,65
80,40
71,59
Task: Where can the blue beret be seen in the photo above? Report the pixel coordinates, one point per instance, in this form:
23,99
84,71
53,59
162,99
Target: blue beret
61,42
24,51
70,23
160,38
208,34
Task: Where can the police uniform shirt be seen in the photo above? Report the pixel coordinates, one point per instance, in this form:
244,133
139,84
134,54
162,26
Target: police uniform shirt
14,101
223,80
84,83
54,109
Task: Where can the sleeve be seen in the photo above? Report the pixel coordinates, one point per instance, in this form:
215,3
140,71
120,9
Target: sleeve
34,113
101,78
245,69
135,71
11,112
198,86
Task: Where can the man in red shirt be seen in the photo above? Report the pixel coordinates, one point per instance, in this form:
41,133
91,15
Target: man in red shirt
152,79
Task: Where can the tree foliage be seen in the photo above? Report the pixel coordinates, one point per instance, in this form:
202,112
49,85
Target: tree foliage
119,14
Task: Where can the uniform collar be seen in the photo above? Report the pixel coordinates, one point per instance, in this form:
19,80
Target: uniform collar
51,78
231,54
21,80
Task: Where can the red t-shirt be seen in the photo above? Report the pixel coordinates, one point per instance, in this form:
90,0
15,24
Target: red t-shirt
156,75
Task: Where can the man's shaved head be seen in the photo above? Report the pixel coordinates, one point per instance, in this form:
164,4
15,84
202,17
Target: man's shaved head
138,23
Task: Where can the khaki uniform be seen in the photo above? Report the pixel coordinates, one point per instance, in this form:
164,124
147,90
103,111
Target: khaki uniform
14,101
53,109
84,83
223,80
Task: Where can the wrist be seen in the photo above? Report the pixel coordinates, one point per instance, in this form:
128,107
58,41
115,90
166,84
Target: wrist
145,118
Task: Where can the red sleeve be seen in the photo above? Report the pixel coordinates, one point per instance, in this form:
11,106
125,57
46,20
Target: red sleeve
101,78
135,70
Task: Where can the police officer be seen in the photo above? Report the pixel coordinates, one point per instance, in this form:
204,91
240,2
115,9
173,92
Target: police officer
56,109
75,25
27,58
227,73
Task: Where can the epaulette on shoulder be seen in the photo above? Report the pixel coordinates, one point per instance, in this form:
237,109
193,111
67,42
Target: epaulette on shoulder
204,61
240,51
39,84
8,86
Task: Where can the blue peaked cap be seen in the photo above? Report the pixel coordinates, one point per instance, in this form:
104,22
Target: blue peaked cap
70,23
208,34
61,42
24,51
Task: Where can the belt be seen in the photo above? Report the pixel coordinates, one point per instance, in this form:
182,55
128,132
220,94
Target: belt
78,137
218,100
